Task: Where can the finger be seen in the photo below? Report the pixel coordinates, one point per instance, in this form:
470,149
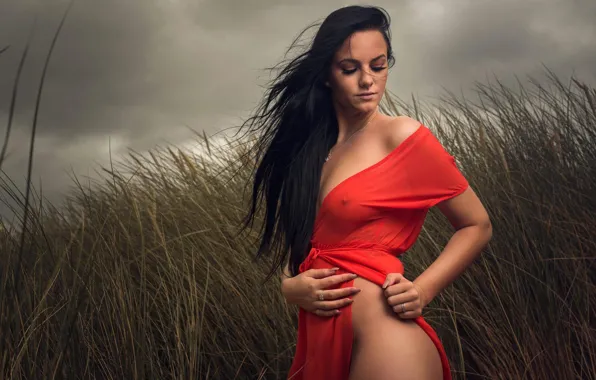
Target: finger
405,307
397,300
409,315
326,313
403,298
337,279
395,289
321,273
334,294
391,279
329,305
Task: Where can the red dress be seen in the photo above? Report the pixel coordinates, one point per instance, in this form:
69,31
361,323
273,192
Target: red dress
364,224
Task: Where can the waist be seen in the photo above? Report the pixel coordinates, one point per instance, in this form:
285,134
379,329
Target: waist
355,257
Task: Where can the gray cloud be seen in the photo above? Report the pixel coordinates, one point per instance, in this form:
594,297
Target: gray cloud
512,37
139,71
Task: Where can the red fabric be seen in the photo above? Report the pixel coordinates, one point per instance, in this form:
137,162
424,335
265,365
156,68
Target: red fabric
364,224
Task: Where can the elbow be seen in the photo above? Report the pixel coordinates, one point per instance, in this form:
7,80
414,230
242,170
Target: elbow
486,227
482,229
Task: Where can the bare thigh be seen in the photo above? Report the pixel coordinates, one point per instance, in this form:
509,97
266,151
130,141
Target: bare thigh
387,347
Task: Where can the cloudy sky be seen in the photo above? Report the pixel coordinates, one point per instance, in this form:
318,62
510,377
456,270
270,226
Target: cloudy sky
140,73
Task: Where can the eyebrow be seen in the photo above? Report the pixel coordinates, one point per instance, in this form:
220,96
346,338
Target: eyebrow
352,60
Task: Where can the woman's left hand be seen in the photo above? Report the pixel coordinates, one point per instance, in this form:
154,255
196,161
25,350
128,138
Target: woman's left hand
404,296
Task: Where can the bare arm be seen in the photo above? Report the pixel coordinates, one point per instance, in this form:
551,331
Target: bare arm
465,213
473,228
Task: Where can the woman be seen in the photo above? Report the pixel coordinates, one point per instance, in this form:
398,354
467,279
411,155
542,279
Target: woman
346,191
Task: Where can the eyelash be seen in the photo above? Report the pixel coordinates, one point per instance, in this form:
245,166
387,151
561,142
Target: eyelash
348,72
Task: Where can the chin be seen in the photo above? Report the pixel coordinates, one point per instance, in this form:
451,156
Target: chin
366,106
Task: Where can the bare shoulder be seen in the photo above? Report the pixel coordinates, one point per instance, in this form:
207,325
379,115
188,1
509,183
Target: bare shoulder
399,129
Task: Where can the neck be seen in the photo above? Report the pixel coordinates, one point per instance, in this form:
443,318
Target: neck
349,121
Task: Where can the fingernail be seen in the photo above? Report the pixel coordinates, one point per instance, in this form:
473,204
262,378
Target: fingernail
336,268
337,311
358,290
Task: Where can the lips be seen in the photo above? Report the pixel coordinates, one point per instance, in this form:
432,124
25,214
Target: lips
367,94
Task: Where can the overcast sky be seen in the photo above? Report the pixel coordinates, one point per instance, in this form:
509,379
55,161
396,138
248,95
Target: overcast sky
140,72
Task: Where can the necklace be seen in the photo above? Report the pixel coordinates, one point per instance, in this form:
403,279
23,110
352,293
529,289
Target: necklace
353,133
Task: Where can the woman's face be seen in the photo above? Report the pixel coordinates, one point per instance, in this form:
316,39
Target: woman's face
359,67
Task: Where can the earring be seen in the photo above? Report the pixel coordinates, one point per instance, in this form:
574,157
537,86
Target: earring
327,84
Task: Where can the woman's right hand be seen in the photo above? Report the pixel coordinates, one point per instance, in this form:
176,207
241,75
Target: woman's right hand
304,289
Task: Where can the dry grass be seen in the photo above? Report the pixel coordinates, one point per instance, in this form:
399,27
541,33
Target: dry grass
143,276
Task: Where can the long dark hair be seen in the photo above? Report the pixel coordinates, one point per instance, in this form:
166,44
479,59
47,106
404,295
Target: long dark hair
297,125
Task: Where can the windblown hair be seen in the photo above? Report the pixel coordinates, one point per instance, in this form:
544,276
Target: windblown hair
296,126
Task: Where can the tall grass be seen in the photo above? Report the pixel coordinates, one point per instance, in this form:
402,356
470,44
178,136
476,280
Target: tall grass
143,274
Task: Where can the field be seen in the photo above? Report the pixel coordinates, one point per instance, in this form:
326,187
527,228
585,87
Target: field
144,275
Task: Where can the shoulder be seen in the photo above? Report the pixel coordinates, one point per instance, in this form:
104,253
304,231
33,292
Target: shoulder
398,129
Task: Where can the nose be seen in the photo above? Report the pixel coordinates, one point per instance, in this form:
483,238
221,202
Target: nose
366,79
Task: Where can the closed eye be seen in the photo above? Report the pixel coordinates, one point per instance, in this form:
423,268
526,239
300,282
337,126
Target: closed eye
376,69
